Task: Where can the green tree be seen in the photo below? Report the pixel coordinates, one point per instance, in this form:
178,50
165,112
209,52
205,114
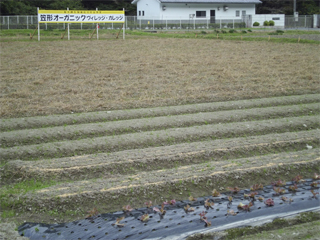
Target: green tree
308,7
16,7
64,4
304,7
29,7
130,9
271,7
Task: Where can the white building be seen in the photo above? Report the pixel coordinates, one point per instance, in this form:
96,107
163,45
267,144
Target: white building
195,9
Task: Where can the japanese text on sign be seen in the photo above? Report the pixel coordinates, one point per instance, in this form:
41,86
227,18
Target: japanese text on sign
60,16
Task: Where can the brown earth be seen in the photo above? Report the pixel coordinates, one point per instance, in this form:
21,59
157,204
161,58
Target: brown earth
43,78
56,168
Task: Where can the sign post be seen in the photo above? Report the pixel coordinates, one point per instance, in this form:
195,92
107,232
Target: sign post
124,26
97,26
68,26
38,25
80,16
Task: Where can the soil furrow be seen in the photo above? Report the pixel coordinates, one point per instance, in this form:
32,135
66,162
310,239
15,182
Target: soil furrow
92,117
134,161
37,136
177,183
159,138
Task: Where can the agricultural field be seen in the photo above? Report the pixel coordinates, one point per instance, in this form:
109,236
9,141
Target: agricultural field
105,123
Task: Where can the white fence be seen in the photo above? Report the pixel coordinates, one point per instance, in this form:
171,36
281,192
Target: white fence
305,21
30,22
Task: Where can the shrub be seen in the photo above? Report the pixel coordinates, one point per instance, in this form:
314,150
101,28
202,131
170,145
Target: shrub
266,23
203,32
280,31
249,30
271,23
214,25
223,31
240,25
236,25
244,31
232,31
256,24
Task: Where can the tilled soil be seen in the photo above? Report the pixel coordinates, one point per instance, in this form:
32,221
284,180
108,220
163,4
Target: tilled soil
111,159
314,37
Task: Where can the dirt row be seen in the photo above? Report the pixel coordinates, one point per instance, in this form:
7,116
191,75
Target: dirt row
174,183
172,153
81,131
104,116
155,158
158,138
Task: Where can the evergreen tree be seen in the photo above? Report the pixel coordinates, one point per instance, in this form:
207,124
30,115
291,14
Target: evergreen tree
304,7
29,7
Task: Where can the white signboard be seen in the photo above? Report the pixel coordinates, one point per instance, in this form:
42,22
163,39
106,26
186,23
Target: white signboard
80,16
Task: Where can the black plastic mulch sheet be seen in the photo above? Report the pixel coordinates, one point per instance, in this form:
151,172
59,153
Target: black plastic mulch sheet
176,220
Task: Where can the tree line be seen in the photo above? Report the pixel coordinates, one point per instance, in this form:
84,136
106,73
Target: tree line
303,7
29,7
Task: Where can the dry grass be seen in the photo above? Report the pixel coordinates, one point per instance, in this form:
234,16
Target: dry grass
40,78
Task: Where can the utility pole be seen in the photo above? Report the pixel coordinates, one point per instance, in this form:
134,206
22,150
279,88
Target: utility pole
294,6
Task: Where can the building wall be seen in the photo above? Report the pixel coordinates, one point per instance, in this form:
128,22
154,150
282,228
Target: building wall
155,10
279,19
147,9
183,11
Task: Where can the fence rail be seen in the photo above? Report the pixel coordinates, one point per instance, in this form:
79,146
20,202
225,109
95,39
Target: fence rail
305,21
30,22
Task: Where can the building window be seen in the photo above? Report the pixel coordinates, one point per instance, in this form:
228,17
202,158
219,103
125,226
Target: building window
139,13
201,14
276,18
244,13
237,13
142,13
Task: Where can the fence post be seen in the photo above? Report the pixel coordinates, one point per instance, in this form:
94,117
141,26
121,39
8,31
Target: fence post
305,21
140,23
194,23
207,23
166,24
233,23
220,23
153,24
27,22
8,22
81,26
180,24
